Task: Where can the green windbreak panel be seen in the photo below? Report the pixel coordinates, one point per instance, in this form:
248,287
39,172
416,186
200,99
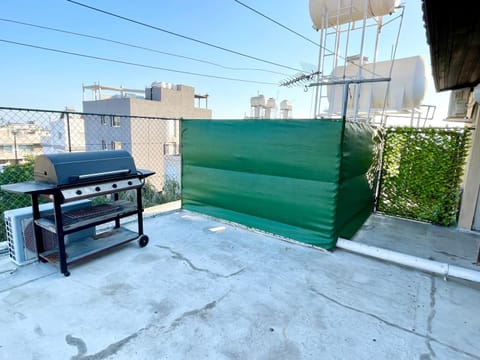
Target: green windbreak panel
279,176
358,148
354,205
269,197
304,149
355,194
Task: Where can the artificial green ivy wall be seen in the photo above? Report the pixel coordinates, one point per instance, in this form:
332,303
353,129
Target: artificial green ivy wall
422,173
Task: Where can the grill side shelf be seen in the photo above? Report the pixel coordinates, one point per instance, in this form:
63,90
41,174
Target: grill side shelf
95,215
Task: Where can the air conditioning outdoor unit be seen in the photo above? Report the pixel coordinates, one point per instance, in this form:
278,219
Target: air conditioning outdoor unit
20,234
460,105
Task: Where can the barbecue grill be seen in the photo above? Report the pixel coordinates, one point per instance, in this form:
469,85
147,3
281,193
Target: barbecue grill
68,177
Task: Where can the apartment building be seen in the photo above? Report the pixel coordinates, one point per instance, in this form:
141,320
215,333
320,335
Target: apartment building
65,133
19,141
143,122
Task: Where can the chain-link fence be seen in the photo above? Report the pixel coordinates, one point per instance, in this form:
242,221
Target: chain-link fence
24,133
155,145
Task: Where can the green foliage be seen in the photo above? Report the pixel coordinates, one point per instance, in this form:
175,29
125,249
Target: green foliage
13,174
171,191
374,170
422,172
151,197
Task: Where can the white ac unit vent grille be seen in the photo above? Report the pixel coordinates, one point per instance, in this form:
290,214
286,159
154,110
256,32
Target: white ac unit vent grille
20,233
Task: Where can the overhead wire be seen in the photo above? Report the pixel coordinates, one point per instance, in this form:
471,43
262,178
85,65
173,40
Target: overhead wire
135,64
183,36
276,22
138,47
302,77
331,52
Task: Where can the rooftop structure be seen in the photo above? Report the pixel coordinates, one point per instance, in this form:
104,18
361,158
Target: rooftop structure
154,143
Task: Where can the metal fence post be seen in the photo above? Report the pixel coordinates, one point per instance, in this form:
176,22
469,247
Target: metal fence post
68,133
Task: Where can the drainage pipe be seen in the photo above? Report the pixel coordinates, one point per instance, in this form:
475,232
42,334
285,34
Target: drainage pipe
422,264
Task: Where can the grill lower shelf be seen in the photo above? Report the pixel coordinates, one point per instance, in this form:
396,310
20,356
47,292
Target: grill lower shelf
77,250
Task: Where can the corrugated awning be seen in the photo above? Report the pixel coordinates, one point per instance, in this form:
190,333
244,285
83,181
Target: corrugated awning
453,34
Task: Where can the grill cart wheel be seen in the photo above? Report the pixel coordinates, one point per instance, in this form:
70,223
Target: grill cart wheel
143,240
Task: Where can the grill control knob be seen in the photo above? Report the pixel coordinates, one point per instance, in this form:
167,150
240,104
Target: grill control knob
97,188
114,186
130,183
78,192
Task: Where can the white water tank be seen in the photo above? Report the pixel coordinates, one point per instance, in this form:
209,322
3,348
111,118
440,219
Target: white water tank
406,90
328,13
269,106
271,103
258,101
285,109
285,105
159,84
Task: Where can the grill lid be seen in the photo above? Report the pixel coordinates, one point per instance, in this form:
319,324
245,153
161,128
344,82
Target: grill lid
70,168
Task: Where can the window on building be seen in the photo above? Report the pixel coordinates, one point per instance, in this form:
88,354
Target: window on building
170,128
170,148
115,121
116,145
6,148
103,119
104,145
26,148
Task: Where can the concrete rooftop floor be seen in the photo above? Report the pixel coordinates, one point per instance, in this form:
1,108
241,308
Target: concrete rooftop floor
433,242
206,289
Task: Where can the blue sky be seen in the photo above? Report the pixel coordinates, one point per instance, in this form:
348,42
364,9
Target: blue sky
35,78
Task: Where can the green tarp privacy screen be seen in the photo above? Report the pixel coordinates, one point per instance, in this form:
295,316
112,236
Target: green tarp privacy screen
300,179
